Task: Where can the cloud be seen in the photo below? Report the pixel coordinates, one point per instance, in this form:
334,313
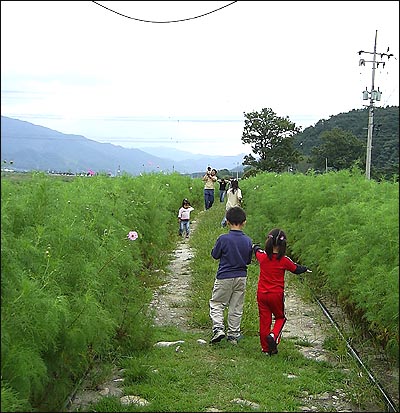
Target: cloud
79,68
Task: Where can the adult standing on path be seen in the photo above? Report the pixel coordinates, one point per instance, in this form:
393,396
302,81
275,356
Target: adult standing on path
234,198
209,180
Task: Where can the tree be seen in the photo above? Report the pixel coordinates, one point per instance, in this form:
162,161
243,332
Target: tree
341,148
271,139
385,137
224,173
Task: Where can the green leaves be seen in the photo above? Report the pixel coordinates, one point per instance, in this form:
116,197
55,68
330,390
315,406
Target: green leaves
339,149
73,284
344,227
271,138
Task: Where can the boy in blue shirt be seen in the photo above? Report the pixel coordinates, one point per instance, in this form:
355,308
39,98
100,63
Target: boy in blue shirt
234,252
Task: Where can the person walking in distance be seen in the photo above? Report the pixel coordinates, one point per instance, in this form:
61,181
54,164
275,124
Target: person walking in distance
209,180
234,252
270,290
184,218
222,189
233,198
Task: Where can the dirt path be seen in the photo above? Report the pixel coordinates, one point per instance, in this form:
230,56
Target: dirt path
305,321
171,302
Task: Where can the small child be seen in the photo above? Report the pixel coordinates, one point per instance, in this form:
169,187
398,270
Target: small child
234,252
184,218
270,290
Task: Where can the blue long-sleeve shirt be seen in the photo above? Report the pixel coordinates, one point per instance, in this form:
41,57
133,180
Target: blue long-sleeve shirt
234,252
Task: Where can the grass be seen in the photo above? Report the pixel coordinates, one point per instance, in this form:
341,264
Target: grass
201,377
223,377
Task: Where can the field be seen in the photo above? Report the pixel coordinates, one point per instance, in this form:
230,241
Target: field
66,254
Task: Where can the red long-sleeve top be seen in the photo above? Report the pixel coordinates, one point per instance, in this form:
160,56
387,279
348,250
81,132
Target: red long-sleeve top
272,271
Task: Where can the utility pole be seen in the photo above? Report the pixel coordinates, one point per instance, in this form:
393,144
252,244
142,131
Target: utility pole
373,95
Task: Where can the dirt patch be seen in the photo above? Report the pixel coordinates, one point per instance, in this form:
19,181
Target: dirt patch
170,301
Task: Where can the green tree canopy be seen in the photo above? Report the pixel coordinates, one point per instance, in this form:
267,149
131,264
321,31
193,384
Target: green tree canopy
340,148
385,138
271,139
224,173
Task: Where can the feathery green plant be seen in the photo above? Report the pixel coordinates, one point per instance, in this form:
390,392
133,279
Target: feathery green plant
75,290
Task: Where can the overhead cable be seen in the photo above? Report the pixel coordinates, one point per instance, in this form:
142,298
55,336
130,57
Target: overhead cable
163,21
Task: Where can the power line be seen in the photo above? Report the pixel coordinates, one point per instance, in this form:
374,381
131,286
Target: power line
71,137
164,21
127,118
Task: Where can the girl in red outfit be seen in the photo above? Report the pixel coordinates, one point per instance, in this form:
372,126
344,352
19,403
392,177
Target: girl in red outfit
270,291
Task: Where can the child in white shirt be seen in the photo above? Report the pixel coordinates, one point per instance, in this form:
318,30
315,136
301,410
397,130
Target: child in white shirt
184,218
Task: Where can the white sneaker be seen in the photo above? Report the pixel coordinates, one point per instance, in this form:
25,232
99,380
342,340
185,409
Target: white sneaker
217,337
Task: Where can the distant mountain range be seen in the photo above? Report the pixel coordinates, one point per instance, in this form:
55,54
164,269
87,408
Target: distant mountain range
26,147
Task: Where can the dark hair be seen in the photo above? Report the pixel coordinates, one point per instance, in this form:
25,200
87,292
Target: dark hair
234,185
236,215
185,202
276,238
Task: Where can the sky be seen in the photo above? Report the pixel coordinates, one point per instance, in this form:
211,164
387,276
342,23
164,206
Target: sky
182,74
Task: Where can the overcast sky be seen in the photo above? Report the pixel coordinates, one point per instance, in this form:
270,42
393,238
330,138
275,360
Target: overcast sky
119,76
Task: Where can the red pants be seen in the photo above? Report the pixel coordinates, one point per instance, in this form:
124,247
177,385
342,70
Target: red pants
271,304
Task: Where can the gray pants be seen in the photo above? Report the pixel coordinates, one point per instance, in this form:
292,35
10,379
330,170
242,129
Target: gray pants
228,293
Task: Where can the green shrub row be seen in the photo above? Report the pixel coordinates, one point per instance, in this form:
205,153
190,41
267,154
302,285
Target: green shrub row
74,288
344,227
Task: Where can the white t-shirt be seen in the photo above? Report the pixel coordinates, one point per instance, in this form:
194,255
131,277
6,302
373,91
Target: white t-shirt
184,213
